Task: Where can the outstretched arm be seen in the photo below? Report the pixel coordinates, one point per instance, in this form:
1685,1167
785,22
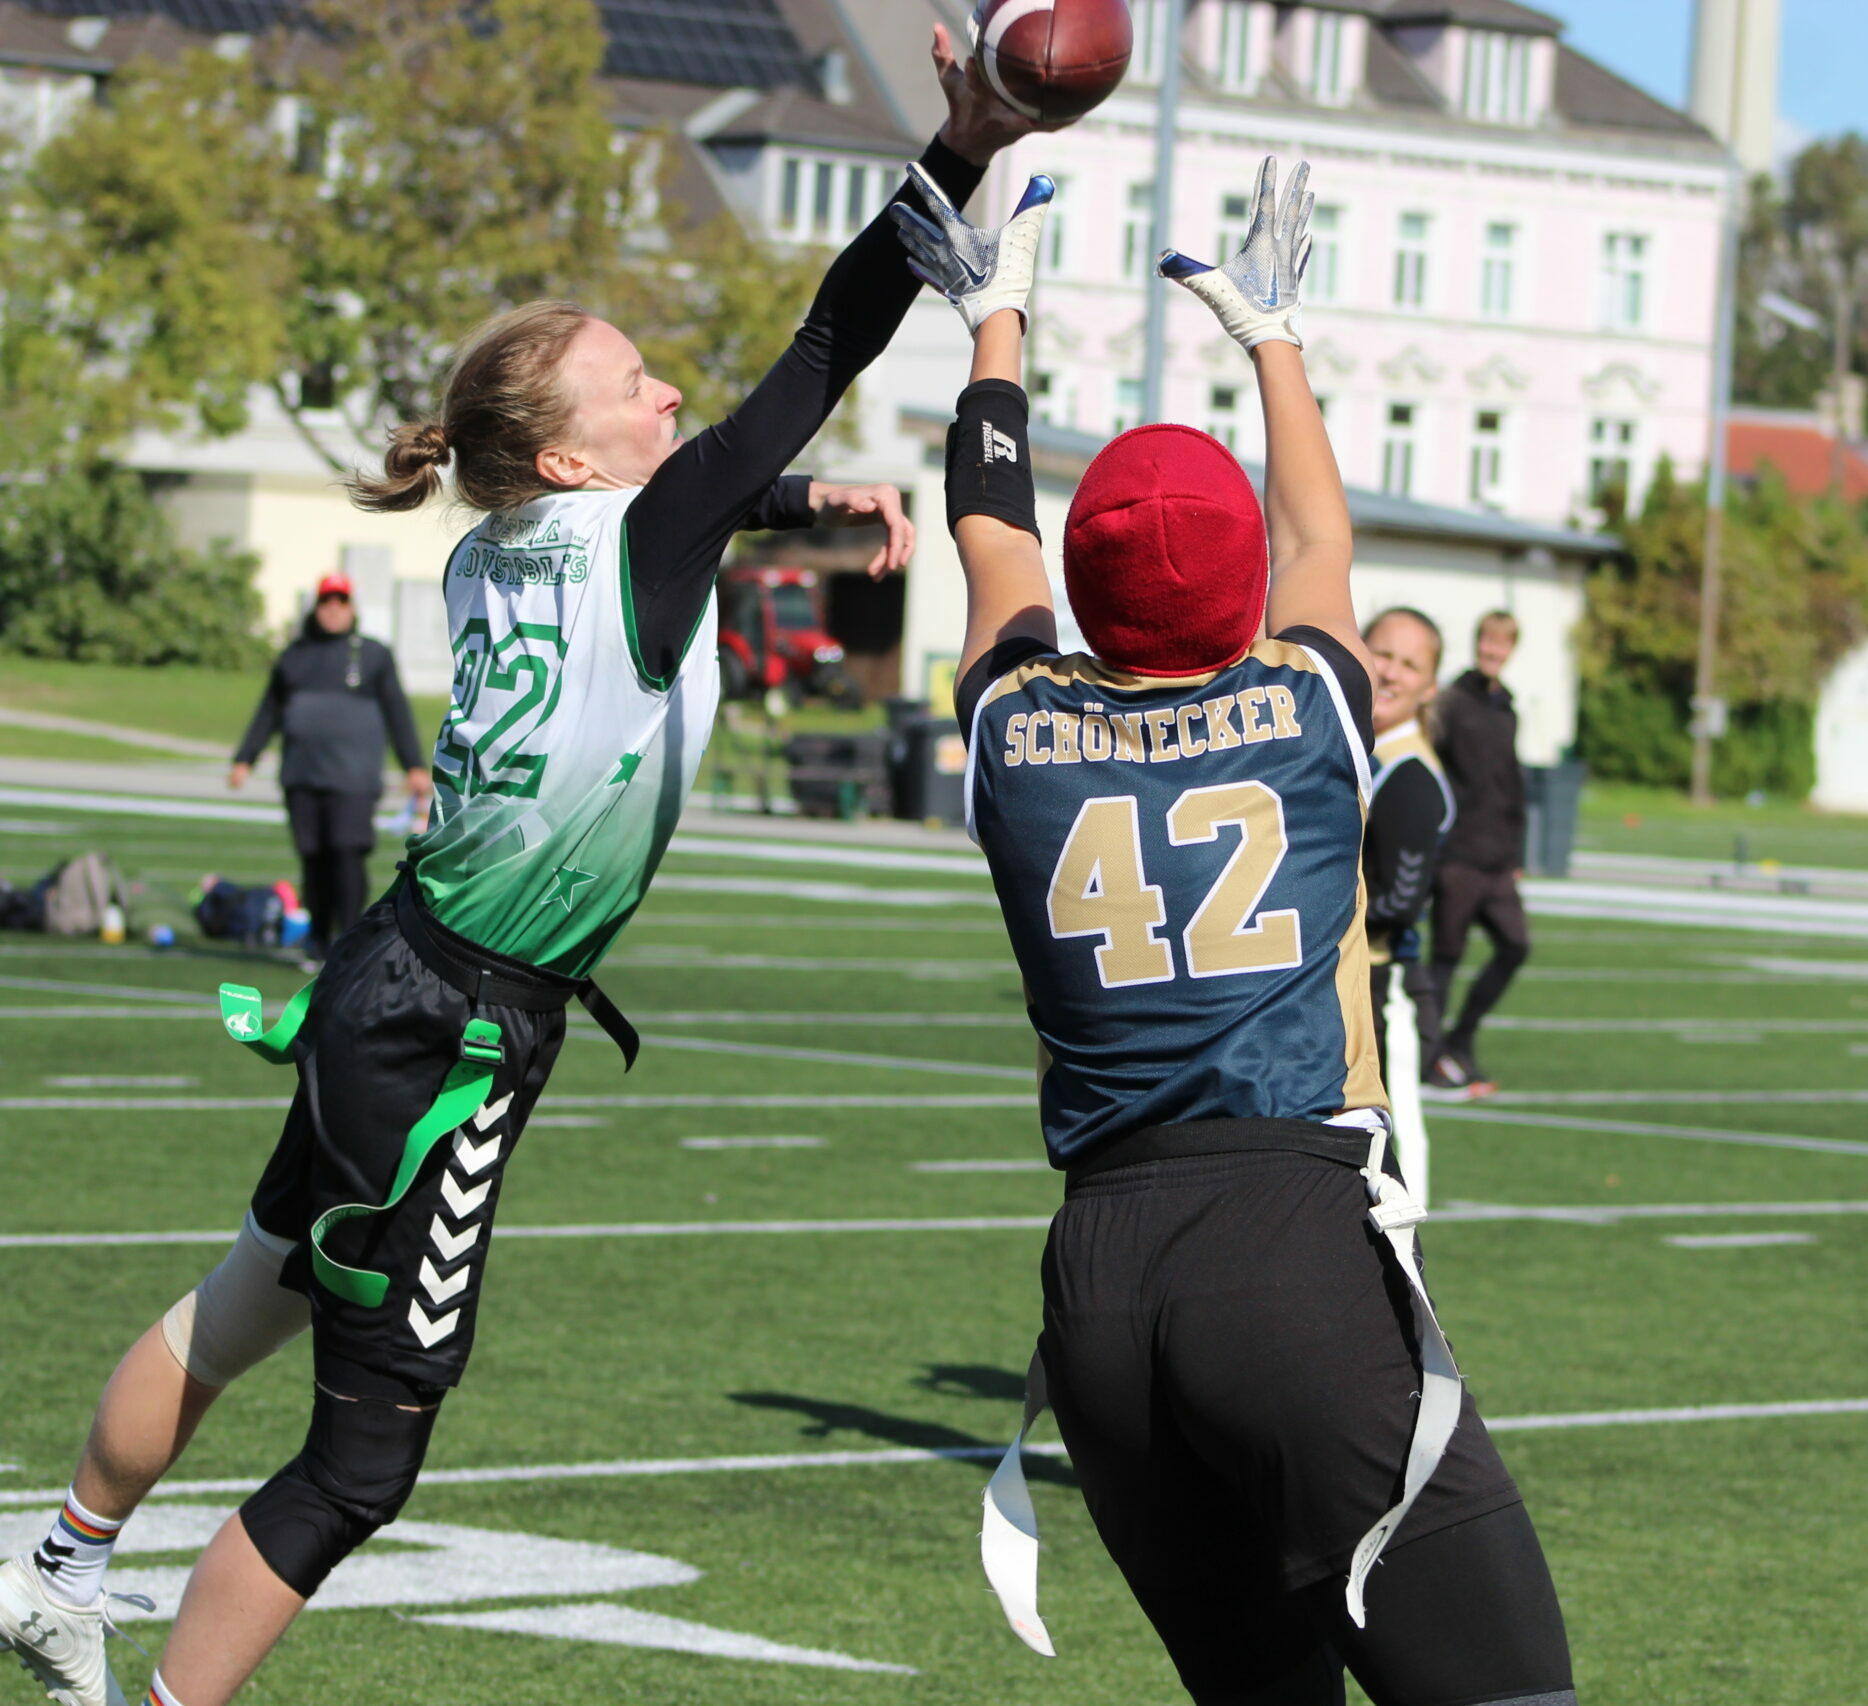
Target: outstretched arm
1255,298
991,504
1008,592
707,489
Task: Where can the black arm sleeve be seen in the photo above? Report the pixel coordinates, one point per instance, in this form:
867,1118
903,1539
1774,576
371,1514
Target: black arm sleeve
266,720
1005,657
1403,837
785,508
676,530
397,716
1351,677
989,456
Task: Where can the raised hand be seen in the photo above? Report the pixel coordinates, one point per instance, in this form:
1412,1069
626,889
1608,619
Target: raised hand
1255,294
979,271
978,123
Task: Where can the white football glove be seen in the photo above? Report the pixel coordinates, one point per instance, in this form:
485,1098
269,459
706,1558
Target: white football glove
1255,293
978,271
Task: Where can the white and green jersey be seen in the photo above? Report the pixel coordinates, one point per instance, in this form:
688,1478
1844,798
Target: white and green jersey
562,766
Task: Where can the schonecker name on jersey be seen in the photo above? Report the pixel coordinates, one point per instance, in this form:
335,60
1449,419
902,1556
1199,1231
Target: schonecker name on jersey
1158,736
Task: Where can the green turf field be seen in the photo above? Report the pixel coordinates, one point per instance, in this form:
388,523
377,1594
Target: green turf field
693,1342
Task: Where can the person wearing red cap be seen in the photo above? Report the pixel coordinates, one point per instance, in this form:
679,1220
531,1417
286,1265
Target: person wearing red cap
1246,1368
333,696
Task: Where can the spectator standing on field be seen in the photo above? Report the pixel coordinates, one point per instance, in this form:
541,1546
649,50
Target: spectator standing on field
335,696
1482,859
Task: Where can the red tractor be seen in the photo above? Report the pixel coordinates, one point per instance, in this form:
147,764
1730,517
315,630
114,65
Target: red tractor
772,635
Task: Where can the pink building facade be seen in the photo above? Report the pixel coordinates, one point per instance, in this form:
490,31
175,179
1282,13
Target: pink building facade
1513,285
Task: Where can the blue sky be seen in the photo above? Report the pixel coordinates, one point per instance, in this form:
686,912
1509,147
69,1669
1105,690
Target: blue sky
1823,89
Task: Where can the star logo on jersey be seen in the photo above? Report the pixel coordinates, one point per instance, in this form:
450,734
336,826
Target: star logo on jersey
565,882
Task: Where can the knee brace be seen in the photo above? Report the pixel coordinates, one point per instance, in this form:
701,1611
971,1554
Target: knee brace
240,1314
355,1473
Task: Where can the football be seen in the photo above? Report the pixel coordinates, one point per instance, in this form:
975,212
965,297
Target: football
1052,59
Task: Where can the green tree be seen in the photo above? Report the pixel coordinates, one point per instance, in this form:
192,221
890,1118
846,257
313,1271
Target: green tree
1796,600
90,571
329,224
1807,242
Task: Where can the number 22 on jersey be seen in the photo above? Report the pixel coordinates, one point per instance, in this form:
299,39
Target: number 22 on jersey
1100,889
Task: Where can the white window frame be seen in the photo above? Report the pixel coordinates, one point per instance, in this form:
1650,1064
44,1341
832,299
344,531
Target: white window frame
1498,269
1150,25
850,191
1127,411
1488,459
1327,82
1400,459
1233,72
1223,416
1138,231
1235,219
1410,282
1496,86
1054,249
1614,441
1626,279
1323,279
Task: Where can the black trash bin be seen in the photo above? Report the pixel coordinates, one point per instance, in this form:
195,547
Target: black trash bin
842,776
1552,793
927,770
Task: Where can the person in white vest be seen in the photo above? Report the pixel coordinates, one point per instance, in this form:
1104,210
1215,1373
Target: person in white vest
582,614
1410,809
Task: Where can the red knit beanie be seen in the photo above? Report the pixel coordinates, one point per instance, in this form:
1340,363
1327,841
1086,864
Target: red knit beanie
1164,553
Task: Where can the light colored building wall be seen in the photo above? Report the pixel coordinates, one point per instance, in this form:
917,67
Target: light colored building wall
1455,581
1571,348
1842,737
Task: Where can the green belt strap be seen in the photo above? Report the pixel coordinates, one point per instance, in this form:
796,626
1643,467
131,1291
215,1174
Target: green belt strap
463,1094
242,1016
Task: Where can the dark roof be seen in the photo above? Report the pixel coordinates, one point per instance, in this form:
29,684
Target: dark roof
211,17
1063,453
1591,95
1394,79
721,44
714,43
1485,14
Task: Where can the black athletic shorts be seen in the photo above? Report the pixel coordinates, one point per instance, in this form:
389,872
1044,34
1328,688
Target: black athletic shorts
1230,1353
381,1035
325,821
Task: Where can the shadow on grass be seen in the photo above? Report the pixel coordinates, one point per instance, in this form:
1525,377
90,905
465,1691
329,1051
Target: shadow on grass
825,1418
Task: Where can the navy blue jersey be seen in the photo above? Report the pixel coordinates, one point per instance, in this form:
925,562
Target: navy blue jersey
1179,863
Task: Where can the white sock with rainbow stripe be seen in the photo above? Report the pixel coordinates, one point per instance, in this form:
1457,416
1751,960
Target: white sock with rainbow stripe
71,1558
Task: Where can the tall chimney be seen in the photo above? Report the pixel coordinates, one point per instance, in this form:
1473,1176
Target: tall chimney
1734,92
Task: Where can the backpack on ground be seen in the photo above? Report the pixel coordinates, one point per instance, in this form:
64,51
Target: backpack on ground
79,893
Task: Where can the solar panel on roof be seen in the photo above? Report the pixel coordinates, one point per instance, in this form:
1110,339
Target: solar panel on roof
717,43
721,43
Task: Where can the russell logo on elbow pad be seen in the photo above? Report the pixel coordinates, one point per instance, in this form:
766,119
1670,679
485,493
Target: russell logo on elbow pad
998,447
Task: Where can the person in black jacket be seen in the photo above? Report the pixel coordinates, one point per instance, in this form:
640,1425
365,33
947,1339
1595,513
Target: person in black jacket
1476,735
335,696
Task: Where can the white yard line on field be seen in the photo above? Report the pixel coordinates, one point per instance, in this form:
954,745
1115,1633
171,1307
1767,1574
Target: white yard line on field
1773,1027
62,1013
1587,1214
1635,1128
1736,1240
110,1081
123,991
829,853
829,894
791,920
752,1142
833,1057
699,959
767,1462
238,1104
1023,1165
1659,1098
